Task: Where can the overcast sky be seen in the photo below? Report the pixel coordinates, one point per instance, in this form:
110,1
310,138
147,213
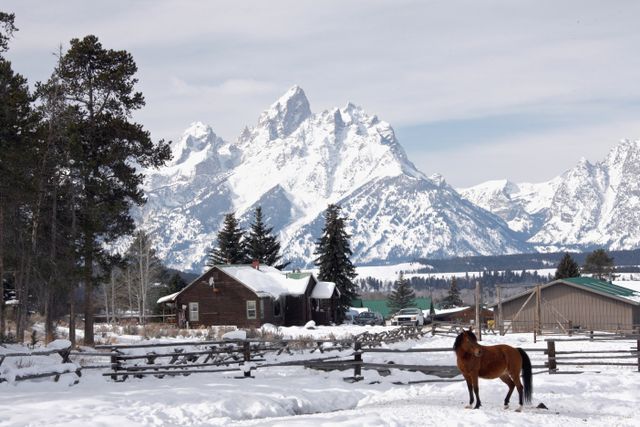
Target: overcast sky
476,90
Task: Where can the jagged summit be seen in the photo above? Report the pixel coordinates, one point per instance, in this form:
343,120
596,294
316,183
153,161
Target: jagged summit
293,163
590,205
286,114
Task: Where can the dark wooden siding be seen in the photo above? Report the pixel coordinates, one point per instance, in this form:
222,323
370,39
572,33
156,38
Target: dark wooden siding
227,304
564,304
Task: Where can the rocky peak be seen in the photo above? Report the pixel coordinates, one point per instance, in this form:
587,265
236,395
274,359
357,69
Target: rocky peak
286,114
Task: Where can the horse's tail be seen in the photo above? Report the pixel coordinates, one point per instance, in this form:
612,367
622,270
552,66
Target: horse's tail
526,376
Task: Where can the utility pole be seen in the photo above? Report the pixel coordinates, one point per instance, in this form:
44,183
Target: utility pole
478,325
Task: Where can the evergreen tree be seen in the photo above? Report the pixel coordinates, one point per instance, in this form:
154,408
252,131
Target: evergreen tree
567,268
432,309
99,84
176,284
453,297
260,244
599,264
7,28
333,251
402,296
230,248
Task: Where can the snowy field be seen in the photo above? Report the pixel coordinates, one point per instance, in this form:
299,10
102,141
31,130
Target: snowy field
295,396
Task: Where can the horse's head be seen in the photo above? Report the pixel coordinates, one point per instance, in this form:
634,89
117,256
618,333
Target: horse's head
467,342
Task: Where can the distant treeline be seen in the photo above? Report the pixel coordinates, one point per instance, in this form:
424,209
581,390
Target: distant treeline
625,261
488,279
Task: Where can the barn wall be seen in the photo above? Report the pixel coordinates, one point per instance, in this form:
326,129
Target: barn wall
227,304
562,303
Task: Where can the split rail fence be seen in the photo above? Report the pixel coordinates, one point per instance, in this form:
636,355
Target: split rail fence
247,356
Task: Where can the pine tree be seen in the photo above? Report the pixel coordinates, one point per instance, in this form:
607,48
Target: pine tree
99,84
600,265
260,244
333,251
432,309
567,268
453,297
402,296
230,248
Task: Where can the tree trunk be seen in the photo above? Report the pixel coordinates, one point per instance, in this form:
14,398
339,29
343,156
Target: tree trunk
2,309
72,317
53,276
88,291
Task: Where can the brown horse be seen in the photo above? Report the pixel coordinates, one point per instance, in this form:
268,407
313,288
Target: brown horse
490,362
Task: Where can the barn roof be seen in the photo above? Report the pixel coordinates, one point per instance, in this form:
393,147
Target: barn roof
593,285
602,286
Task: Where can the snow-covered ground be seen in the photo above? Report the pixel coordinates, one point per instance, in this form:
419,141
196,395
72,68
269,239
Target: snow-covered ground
295,396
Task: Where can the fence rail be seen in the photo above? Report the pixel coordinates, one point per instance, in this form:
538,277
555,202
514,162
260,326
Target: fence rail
247,356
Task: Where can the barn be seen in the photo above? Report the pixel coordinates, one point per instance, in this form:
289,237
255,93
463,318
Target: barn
249,296
573,303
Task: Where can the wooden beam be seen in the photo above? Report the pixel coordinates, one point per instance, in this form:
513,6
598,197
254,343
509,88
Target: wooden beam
519,311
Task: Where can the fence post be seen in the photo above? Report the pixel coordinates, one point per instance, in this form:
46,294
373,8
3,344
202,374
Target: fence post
246,350
433,329
551,356
638,353
114,363
357,368
590,335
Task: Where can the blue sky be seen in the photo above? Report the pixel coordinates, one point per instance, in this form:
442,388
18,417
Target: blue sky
475,90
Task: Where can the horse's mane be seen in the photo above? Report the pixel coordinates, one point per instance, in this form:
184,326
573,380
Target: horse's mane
460,337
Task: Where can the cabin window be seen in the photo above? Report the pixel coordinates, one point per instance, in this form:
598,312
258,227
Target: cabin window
251,310
277,309
262,309
194,312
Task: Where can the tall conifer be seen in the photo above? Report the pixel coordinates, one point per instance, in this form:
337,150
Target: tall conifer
453,297
567,268
333,251
403,295
229,248
260,244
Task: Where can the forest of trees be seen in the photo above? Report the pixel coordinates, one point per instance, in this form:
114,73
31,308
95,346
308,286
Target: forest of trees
69,165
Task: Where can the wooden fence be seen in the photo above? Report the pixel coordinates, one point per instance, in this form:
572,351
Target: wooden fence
615,357
66,367
245,356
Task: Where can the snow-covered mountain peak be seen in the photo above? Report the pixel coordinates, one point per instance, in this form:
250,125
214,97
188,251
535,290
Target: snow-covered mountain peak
197,138
286,114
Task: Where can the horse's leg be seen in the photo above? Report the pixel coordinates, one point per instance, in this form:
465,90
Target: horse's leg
516,379
507,380
476,380
470,388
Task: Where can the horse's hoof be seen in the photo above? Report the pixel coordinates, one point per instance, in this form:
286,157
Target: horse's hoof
519,409
506,406
468,407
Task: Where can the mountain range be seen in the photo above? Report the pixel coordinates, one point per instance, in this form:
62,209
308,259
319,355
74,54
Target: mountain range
294,162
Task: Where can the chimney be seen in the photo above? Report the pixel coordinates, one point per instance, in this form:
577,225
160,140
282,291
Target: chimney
256,264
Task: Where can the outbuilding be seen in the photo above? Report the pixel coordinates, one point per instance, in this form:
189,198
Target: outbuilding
573,303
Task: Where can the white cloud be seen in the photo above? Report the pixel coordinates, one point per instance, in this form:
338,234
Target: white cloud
410,62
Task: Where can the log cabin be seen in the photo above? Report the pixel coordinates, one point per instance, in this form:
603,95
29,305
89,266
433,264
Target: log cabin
249,296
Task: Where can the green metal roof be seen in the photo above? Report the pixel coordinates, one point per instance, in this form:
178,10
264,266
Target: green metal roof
601,286
381,305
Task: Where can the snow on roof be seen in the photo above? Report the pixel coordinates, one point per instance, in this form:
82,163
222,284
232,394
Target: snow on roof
450,310
267,281
168,298
323,290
